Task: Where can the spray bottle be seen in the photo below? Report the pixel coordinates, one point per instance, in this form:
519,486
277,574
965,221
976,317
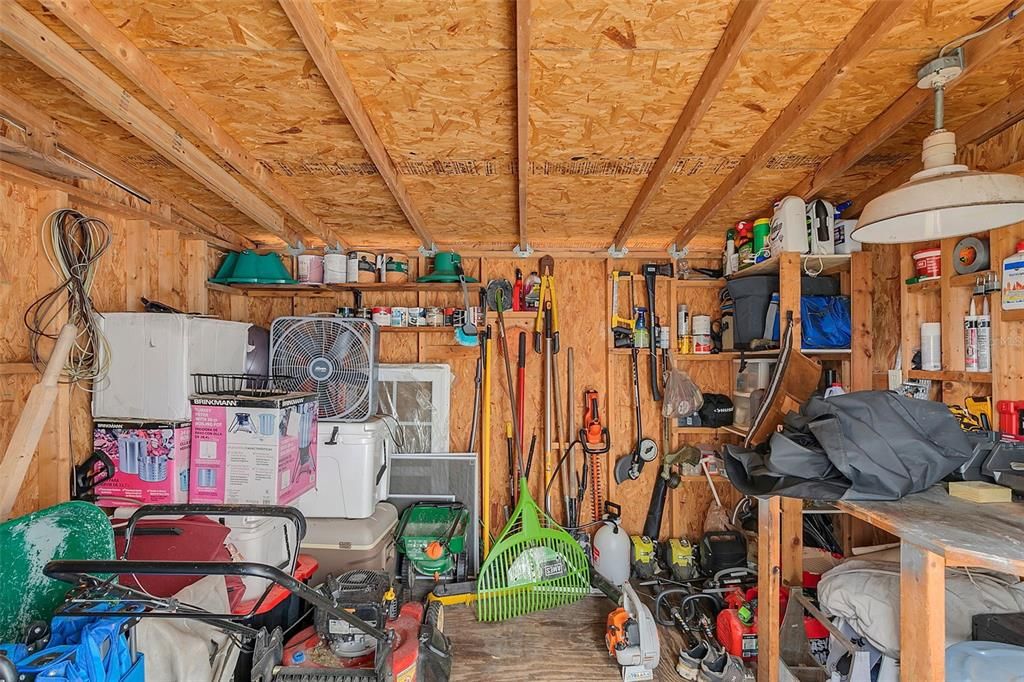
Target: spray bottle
611,547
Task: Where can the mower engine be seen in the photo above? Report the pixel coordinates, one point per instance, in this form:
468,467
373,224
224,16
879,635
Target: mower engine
366,594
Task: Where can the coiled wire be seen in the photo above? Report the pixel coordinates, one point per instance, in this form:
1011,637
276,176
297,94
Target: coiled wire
73,244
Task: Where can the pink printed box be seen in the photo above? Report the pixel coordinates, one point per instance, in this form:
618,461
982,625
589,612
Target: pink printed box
151,460
253,450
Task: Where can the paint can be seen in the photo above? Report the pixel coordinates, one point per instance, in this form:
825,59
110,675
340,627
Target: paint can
396,269
449,317
362,267
399,316
417,317
458,317
346,312
701,334
364,313
381,316
335,268
434,317
310,268
682,320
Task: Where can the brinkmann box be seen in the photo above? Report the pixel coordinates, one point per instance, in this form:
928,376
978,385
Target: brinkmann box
253,450
150,459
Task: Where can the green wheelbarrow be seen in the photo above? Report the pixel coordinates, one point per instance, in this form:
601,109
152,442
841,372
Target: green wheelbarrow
431,539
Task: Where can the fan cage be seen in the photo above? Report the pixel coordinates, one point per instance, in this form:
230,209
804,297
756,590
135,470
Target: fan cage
332,357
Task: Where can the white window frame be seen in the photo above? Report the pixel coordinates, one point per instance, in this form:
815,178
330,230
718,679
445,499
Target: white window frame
439,376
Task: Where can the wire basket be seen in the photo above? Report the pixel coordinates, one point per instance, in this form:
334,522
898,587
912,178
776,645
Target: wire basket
249,385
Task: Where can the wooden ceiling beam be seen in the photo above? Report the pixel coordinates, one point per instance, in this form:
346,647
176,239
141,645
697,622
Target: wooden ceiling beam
522,114
905,109
307,24
744,20
41,46
869,32
109,41
40,124
996,118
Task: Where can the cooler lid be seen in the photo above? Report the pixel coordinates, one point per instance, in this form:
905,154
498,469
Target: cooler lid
354,534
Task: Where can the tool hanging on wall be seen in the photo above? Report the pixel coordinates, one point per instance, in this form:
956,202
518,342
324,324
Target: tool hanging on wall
548,440
595,441
466,334
521,388
622,327
499,292
547,298
577,486
628,467
651,271
485,447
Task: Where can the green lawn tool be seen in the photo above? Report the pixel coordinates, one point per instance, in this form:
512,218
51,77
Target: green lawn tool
534,565
431,537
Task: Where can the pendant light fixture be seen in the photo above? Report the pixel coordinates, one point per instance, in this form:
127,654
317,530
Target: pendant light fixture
944,199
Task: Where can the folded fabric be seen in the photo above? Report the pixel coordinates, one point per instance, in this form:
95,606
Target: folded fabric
868,445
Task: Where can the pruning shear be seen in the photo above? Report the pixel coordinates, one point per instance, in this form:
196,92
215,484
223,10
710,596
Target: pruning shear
547,292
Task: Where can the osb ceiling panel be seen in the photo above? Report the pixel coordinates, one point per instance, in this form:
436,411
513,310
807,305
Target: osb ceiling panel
578,210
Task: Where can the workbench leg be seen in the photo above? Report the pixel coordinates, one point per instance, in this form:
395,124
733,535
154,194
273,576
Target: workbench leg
792,541
769,573
922,615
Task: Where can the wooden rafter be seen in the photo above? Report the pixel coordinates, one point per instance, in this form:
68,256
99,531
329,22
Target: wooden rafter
865,37
41,125
522,113
41,46
907,107
745,19
993,120
109,41
307,24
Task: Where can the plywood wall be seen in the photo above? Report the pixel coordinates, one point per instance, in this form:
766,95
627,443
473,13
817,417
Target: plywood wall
142,261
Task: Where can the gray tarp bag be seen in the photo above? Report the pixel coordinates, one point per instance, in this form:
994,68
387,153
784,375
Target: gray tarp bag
869,445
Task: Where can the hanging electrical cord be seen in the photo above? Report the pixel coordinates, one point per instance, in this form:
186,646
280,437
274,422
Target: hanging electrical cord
73,244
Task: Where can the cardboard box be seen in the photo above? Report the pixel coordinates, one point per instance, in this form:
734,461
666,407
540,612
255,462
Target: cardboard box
151,460
253,450
153,357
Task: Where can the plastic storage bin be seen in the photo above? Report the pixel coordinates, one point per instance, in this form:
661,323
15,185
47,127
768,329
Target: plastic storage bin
265,540
354,472
347,544
748,388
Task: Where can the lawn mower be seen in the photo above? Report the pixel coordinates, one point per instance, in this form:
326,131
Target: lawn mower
431,539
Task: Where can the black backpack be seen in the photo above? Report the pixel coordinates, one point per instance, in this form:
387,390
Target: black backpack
716,411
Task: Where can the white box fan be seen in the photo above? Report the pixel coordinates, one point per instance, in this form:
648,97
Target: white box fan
333,357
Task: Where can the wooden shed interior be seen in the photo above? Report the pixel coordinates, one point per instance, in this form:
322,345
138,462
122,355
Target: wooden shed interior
605,134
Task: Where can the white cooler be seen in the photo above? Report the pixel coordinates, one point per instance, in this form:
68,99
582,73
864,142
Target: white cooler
348,544
264,539
353,469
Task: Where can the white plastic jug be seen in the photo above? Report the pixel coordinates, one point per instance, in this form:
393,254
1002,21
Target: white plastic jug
611,547
789,227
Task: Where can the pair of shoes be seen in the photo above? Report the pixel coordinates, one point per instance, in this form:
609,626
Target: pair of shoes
723,668
688,665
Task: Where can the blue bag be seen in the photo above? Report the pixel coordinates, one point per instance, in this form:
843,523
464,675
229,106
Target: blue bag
825,321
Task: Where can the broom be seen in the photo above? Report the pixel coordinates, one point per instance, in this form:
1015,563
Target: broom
534,564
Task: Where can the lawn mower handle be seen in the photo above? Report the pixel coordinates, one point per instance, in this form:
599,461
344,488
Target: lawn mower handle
72,571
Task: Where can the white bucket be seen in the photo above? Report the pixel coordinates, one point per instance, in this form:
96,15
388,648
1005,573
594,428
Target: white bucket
362,267
311,268
335,268
701,325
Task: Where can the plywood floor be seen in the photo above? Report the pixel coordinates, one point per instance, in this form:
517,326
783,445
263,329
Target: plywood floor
558,645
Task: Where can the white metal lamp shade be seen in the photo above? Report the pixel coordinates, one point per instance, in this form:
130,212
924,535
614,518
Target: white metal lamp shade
944,200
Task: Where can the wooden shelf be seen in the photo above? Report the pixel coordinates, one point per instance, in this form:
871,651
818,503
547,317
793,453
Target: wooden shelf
287,290
1011,315
828,265
710,283
950,375
968,280
706,357
698,430
736,431
416,330
926,285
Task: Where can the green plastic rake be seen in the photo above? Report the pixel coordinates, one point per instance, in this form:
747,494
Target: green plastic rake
534,565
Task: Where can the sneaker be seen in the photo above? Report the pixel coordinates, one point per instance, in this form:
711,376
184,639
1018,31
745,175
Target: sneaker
689,661
723,668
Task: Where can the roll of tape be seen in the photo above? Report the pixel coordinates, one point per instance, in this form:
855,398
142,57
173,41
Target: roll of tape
970,255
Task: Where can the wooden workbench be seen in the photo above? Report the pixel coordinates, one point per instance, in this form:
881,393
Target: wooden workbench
935,530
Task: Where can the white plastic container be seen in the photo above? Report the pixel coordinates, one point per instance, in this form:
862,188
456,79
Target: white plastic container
931,346
265,540
310,268
611,550
335,268
353,473
1013,279
844,242
821,226
348,544
756,374
789,227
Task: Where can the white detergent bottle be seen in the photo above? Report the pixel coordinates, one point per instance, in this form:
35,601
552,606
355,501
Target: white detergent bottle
1013,279
611,547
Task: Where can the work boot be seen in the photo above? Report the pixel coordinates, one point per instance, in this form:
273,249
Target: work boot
723,668
689,661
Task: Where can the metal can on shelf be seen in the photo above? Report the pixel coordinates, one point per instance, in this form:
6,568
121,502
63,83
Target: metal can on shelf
458,317
399,316
434,317
416,317
364,313
449,314
346,312
382,316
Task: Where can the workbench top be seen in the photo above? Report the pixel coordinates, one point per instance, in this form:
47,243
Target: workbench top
964,533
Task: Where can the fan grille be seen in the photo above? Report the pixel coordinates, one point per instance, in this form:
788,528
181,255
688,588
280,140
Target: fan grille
333,357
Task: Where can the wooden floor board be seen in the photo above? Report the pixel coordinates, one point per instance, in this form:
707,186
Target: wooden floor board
558,645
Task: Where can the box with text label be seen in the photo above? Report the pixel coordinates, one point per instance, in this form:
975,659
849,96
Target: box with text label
150,458
253,450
